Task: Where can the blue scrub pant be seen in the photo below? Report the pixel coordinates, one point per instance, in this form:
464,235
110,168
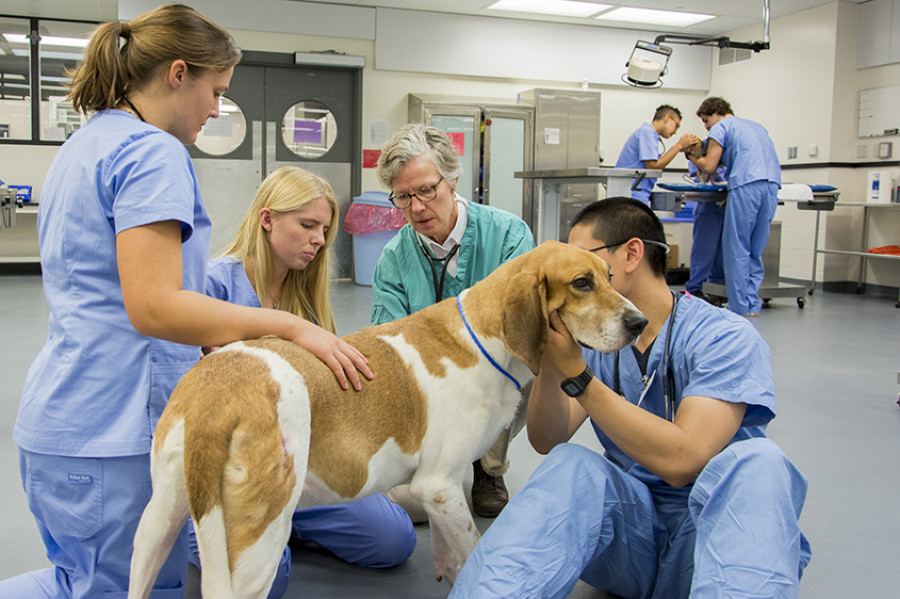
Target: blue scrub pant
87,510
706,246
372,532
748,216
579,516
641,194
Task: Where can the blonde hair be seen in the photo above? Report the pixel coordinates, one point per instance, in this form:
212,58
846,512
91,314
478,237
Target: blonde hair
304,292
121,57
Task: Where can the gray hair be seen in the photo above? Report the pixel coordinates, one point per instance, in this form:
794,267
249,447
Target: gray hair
415,141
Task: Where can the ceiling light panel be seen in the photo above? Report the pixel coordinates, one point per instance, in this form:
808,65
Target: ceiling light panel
560,8
645,16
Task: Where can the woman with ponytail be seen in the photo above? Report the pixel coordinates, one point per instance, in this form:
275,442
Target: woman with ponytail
124,239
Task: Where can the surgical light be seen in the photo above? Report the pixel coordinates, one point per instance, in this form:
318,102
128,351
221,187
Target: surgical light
649,62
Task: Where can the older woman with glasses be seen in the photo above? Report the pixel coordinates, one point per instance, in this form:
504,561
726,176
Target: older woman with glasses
447,245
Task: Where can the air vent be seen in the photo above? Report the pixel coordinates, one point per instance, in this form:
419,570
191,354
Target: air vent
734,55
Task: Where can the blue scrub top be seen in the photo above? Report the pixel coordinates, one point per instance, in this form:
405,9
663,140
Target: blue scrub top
641,145
227,280
98,386
747,151
402,282
712,353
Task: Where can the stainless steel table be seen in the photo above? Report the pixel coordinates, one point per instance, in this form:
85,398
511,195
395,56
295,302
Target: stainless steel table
548,196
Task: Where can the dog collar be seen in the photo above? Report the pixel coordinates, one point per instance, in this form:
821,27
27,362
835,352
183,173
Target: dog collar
484,351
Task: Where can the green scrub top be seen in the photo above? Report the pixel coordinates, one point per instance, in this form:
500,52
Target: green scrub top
402,282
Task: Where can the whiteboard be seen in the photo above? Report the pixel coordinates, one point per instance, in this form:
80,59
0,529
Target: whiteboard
878,113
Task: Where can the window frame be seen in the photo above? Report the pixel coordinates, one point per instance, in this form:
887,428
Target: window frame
34,70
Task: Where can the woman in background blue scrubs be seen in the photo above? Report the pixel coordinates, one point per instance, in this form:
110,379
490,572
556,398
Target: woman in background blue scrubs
754,178
124,239
279,259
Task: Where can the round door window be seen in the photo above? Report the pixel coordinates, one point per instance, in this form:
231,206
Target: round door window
309,129
224,134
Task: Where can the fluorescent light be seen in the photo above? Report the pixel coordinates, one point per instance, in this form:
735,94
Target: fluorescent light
71,42
645,16
48,40
16,38
560,8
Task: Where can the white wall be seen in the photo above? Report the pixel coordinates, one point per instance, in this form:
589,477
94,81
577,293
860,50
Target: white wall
385,92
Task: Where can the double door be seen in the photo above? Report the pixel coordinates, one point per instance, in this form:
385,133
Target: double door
275,115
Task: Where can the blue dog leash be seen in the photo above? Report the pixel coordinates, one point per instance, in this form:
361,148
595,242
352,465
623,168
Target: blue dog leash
484,351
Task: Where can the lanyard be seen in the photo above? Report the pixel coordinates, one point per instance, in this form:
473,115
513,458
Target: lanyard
668,377
445,261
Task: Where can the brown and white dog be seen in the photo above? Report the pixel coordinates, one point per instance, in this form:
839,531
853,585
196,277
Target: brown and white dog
261,427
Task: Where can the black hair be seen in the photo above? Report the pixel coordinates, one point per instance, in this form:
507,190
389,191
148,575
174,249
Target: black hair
665,110
619,219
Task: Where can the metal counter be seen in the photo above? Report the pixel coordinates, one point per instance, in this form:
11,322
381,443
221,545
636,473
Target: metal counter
547,211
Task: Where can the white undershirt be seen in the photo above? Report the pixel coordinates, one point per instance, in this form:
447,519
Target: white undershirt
456,235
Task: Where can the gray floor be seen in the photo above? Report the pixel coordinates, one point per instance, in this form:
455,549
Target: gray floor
835,363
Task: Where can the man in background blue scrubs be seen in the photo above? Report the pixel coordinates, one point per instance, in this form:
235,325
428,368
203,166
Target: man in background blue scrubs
641,149
754,178
690,497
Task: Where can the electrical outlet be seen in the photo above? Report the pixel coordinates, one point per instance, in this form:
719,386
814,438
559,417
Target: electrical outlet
885,149
813,151
792,152
862,151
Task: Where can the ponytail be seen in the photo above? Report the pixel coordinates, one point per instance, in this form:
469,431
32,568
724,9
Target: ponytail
124,56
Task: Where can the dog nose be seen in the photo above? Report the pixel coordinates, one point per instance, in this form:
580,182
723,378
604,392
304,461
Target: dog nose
635,322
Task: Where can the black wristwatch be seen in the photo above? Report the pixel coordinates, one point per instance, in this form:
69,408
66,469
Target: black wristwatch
576,385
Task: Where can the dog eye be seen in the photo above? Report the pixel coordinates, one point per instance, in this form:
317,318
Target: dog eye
583,284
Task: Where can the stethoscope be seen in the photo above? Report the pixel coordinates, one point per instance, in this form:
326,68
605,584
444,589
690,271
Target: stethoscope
669,377
445,261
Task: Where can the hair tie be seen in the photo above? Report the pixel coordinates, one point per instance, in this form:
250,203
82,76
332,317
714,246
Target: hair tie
125,30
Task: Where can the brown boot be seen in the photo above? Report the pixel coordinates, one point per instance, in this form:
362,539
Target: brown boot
489,494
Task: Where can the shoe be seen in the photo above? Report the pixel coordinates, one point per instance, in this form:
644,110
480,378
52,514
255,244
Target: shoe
701,295
751,314
489,494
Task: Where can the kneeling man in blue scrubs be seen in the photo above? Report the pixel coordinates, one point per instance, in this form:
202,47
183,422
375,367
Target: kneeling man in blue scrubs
690,498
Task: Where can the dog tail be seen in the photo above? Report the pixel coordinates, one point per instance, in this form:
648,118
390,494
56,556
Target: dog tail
246,464
210,446
165,514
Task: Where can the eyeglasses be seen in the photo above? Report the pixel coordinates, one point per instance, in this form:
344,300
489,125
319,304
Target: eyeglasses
606,247
426,194
612,245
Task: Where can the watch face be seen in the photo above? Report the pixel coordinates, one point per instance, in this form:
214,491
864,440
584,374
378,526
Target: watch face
575,386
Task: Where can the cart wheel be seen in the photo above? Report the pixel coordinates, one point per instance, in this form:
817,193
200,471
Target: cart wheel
897,305
811,291
766,300
801,301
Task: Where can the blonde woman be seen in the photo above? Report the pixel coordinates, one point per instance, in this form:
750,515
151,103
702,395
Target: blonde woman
124,238
280,259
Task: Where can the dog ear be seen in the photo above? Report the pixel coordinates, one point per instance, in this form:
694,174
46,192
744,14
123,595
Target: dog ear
525,319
